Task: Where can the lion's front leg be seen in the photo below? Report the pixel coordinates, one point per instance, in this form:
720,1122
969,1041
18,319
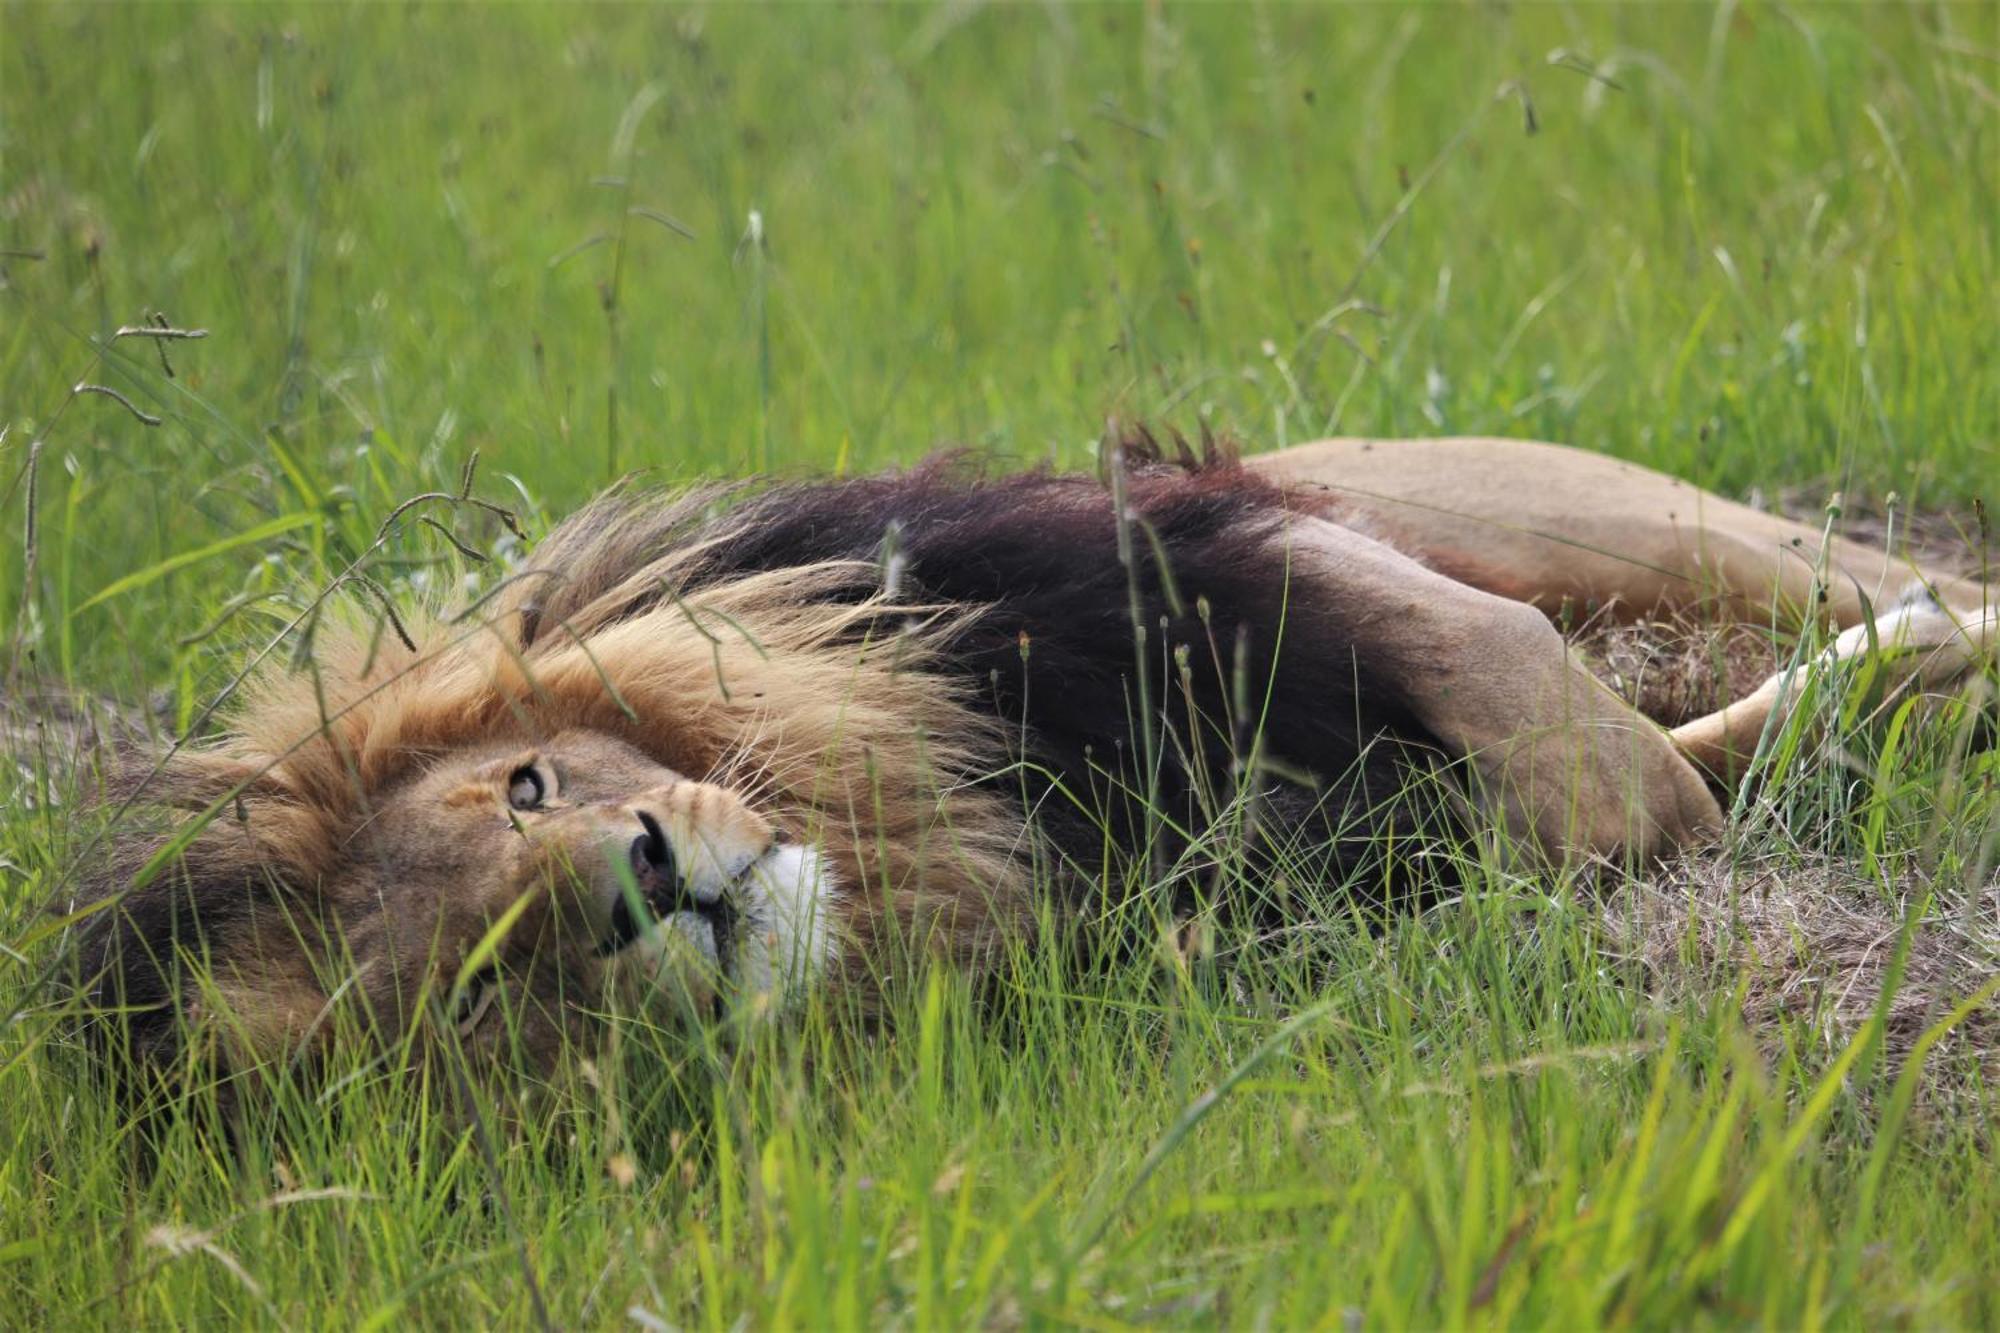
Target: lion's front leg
1560,760
1919,643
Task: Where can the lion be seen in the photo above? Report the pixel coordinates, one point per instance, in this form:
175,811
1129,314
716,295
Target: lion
735,742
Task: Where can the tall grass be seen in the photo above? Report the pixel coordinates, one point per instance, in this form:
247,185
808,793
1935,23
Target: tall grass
1750,246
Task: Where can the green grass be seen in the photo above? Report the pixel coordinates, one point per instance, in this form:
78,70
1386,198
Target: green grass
1753,246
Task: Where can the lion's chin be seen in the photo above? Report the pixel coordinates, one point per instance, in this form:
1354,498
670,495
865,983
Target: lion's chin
779,935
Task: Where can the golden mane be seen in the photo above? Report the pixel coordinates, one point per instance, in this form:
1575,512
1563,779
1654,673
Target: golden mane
791,686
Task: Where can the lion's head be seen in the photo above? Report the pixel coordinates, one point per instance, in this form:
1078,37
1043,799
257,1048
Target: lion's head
621,781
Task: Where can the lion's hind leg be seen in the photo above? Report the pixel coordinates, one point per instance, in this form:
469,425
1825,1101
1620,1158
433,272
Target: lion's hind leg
1572,530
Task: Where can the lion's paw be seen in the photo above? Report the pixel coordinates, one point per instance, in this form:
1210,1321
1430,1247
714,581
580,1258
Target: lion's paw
1921,639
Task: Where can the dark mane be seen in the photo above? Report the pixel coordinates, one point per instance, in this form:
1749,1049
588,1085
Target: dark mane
1237,643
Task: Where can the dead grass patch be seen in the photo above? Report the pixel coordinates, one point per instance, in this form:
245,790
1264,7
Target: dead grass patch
1811,939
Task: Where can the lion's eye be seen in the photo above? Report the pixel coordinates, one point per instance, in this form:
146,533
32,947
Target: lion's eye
529,786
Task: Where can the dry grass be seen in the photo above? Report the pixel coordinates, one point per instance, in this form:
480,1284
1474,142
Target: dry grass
47,731
1811,939
1676,668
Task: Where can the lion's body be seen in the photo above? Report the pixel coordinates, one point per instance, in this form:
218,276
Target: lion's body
950,690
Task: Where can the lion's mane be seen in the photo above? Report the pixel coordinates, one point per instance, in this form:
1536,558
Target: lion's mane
935,668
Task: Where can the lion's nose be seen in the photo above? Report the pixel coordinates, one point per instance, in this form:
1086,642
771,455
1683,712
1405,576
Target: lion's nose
652,852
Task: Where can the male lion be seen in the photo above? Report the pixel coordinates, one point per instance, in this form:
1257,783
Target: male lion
731,740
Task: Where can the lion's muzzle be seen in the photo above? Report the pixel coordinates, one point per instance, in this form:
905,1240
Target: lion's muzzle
686,887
